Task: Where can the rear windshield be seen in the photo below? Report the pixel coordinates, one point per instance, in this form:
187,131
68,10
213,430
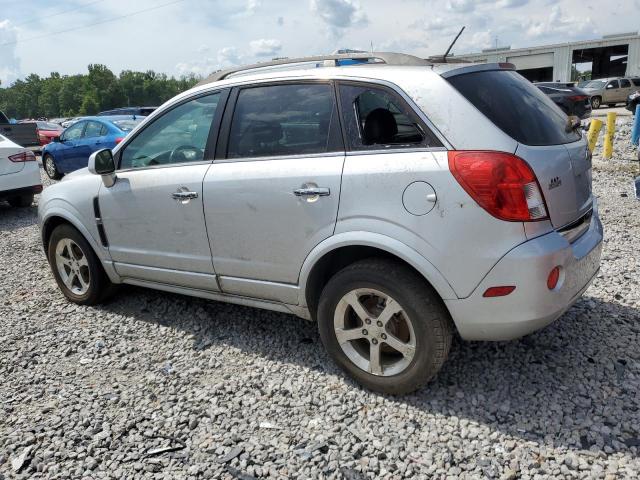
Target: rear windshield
48,126
515,106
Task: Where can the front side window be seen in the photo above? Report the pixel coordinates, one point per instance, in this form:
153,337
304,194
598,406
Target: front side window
93,129
281,120
74,132
178,136
376,118
613,84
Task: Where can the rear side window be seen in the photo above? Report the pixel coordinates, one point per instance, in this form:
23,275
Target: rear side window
624,83
275,120
515,106
376,118
636,81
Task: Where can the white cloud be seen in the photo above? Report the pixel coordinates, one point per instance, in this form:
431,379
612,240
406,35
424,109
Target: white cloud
557,23
461,6
265,47
199,36
339,15
9,61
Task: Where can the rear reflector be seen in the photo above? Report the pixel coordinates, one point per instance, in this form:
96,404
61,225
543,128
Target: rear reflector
554,276
498,291
578,98
501,183
26,156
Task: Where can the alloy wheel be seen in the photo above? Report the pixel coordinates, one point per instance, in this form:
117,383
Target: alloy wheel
72,266
374,332
50,166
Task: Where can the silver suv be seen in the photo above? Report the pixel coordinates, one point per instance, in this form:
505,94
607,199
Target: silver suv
393,201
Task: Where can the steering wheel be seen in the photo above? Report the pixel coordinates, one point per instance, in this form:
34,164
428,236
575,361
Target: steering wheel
178,154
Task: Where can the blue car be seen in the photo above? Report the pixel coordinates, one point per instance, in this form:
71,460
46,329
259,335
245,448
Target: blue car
72,149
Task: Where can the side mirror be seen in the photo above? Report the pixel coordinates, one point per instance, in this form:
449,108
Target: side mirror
101,163
609,86
56,139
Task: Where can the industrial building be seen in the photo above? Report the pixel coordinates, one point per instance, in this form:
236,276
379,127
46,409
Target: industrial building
611,56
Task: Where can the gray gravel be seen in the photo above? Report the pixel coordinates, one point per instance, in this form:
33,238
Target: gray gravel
154,385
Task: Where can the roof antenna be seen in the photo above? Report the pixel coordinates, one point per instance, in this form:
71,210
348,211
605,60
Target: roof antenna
444,57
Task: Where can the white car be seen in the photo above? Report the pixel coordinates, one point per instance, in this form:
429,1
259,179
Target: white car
19,174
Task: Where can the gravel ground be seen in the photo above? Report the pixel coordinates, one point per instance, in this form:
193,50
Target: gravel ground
153,385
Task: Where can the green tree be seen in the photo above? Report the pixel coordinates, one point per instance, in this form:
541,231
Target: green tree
70,95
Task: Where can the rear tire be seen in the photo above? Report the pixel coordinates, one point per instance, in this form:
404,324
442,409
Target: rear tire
596,102
50,167
405,335
76,267
21,201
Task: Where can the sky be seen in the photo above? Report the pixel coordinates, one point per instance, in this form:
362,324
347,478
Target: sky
180,37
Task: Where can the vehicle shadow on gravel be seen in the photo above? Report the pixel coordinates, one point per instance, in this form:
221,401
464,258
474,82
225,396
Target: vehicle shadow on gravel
573,384
12,218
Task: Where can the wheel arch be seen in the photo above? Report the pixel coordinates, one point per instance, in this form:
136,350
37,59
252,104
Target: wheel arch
57,216
343,249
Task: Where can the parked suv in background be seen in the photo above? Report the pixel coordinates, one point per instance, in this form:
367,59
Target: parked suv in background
392,201
609,91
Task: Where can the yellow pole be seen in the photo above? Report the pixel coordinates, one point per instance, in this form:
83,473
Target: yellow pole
594,132
608,137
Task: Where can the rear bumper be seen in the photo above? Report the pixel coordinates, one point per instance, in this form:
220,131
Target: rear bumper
27,180
21,191
531,305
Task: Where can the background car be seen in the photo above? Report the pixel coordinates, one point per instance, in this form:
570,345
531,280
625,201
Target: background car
137,111
19,174
608,91
70,151
47,131
633,101
24,134
572,100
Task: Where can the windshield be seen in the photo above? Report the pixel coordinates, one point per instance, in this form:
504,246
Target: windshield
515,106
127,125
594,84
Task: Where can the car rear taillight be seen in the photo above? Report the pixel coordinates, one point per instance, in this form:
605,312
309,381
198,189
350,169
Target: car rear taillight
26,156
501,183
578,98
119,139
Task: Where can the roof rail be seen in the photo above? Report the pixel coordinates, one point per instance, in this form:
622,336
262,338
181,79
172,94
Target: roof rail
387,58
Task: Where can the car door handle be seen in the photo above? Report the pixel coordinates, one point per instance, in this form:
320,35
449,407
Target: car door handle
312,192
184,195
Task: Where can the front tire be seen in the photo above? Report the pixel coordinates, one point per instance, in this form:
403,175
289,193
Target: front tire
51,168
76,268
595,102
384,325
21,201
